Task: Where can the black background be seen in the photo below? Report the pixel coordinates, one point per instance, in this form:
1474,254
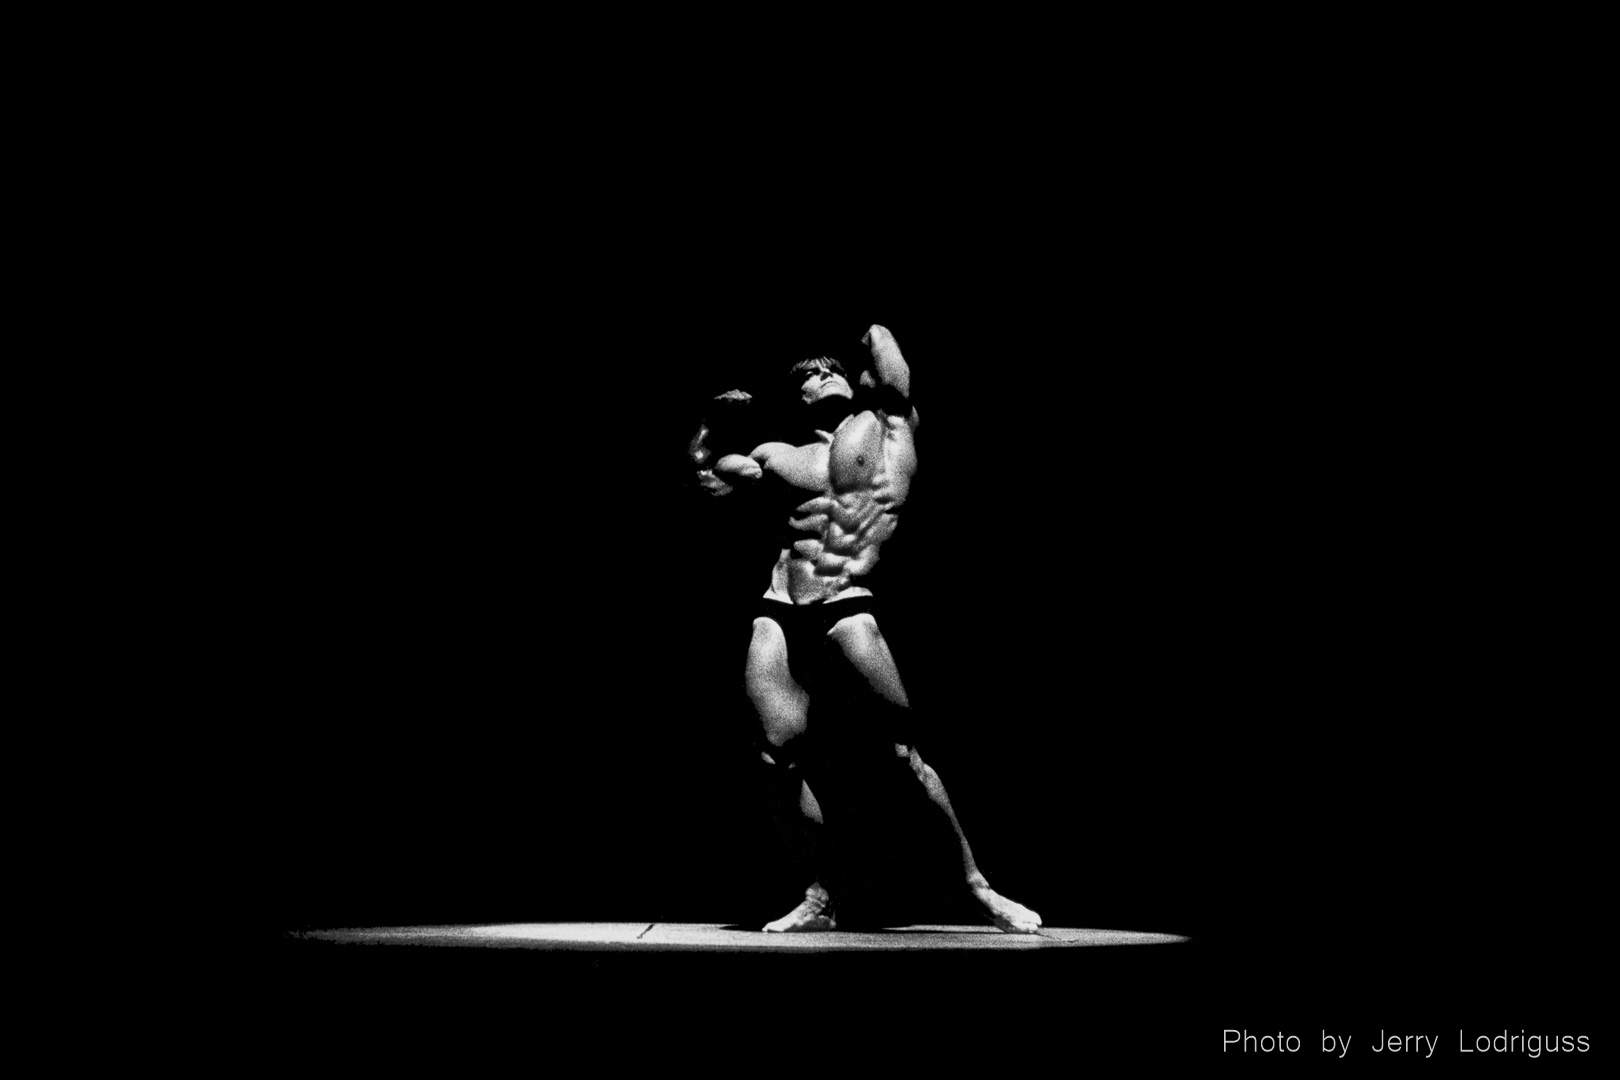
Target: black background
1211,599
1192,596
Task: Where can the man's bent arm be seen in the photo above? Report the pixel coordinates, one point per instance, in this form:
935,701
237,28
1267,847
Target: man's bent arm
714,452
888,365
888,369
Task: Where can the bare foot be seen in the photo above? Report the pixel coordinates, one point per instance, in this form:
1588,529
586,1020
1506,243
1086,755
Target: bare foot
1010,917
815,913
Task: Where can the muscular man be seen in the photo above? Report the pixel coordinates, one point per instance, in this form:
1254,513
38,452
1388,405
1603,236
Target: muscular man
841,493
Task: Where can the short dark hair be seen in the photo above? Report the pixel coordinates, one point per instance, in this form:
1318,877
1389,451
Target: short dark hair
819,362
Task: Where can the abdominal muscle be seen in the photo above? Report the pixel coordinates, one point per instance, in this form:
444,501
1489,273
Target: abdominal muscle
839,541
796,581
833,537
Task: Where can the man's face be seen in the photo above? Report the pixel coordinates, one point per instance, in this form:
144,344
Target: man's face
822,381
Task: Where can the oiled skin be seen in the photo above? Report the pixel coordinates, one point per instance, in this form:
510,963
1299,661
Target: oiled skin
842,497
860,476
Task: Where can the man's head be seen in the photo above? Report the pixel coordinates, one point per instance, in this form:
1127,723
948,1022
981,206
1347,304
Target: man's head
819,379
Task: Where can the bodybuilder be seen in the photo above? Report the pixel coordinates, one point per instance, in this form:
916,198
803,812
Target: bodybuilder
845,489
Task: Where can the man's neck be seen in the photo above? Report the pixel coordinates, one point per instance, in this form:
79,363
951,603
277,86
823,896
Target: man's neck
824,415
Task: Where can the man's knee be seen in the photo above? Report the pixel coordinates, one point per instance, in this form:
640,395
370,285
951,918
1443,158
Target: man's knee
784,758
786,773
782,722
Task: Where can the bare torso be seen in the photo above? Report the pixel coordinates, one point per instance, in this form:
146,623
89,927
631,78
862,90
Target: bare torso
847,489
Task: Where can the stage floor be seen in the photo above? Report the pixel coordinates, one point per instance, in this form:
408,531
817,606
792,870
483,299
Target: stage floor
707,937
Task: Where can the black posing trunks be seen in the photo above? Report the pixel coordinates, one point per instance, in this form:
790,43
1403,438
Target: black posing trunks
806,627
817,661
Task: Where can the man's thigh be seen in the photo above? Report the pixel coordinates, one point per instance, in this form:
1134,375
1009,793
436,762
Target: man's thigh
862,643
780,701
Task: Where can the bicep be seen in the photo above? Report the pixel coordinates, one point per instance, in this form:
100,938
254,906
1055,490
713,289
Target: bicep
889,367
765,451
729,470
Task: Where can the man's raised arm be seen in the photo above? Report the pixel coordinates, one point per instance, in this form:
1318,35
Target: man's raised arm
888,368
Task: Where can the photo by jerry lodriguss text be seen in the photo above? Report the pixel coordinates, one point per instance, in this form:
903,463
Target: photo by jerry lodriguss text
1530,1044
